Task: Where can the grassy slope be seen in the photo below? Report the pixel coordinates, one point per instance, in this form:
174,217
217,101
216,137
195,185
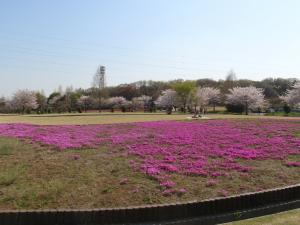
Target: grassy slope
285,218
40,177
33,176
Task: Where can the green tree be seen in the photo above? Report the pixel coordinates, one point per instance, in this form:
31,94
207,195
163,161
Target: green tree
183,90
42,102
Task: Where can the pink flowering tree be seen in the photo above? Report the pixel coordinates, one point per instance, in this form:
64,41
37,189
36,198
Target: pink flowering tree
292,98
214,97
84,102
116,102
248,97
141,102
206,96
167,100
24,101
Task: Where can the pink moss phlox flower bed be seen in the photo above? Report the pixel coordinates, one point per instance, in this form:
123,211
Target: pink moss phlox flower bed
210,149
295,164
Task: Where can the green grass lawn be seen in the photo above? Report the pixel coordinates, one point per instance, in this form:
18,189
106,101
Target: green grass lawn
108,118
291,114
285,218
89,118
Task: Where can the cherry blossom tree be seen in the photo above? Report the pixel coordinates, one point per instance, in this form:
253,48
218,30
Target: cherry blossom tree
202,98
141,102
207,96
85,102
247,97
24,101
167,100
292,98
214,97
116,102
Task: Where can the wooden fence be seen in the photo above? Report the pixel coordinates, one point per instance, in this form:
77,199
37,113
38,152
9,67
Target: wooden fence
206,212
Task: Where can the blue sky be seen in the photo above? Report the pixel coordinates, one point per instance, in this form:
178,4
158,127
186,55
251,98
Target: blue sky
45,44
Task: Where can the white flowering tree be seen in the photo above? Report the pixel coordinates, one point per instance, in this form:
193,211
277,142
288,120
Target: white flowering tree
116,102
84,102
206,96
214,97
167,100
248,97
24,101
202,98
141,102
292,98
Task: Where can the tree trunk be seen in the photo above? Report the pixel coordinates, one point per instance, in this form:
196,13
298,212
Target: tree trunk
169,110
99,104
99,100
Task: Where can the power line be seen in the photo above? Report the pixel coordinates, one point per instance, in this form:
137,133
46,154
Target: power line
26,51
103,46
40,52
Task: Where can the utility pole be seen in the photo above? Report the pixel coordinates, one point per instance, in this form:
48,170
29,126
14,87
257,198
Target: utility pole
102,80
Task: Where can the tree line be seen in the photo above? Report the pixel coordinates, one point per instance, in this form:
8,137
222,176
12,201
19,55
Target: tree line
238,95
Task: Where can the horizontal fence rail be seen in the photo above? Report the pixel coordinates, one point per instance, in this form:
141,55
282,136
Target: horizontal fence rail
211,211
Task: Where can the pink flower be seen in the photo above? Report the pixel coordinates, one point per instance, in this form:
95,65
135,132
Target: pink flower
293,164
211,183
152,171
245,176
76,157
181,191
212,148
223,193
216,174
124,181
168,192
134,191
167,184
